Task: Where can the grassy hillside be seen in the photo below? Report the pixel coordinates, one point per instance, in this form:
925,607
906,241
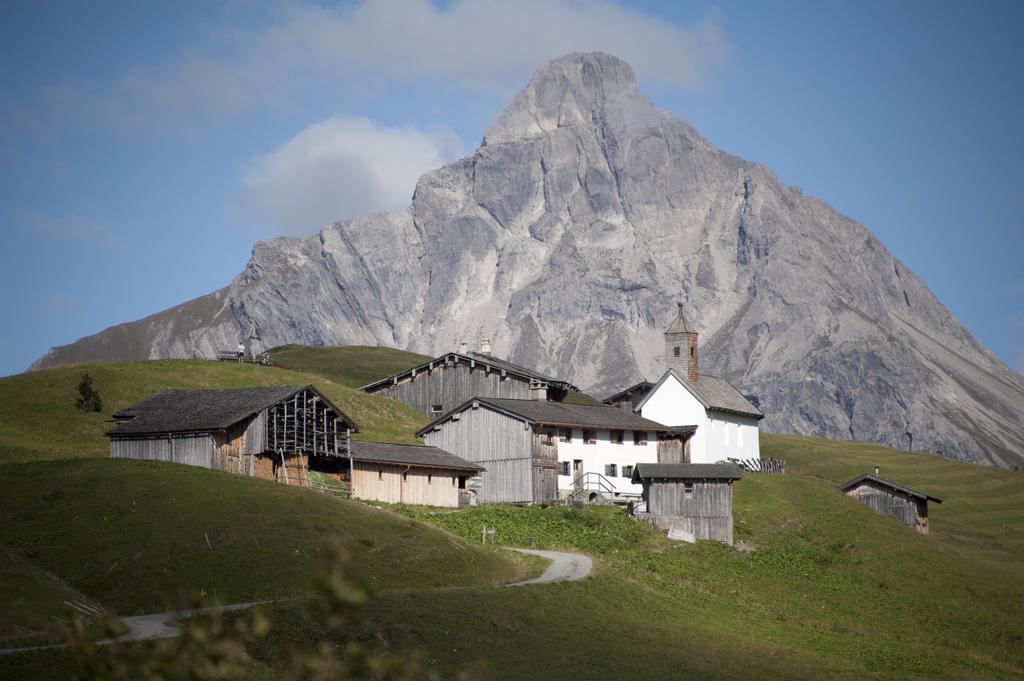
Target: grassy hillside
831,589
824,588
350,365
139,536
40,421
34,604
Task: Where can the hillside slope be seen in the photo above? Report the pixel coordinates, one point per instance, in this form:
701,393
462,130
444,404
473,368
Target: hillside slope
142,536
40,421
826,589
566,237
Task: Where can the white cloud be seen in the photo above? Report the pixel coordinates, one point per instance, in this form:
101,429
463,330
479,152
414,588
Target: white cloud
374,44
340,168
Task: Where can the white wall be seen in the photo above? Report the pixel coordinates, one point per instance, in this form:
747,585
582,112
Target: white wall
674,405
719,436
730,437
596,456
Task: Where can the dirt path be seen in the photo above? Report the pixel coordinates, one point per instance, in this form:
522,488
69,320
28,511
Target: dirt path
565,567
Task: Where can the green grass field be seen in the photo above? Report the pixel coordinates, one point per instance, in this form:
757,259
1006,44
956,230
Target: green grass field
825,588
832,589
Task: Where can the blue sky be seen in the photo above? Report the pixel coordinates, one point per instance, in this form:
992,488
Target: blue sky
147,146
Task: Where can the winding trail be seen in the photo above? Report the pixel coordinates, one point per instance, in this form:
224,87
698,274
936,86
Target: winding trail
564,567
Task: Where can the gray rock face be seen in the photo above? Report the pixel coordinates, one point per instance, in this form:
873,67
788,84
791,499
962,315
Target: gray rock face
566,239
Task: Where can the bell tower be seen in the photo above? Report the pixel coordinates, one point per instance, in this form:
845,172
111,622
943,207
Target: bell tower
681,347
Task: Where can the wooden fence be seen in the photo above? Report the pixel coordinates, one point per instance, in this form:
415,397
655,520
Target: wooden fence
769,465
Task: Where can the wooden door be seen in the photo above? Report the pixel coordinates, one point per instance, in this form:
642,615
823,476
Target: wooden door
670,449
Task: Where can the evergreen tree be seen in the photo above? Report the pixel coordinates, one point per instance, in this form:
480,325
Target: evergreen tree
89,399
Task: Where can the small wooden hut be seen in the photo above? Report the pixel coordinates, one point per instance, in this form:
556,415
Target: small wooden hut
268,432
694,499
889,498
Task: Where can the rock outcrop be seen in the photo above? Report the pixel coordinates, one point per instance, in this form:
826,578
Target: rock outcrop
566,239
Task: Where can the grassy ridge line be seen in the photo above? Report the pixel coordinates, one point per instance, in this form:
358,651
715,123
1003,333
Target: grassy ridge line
40,421
352,366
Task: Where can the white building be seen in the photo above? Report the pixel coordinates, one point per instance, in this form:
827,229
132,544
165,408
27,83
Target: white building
727,423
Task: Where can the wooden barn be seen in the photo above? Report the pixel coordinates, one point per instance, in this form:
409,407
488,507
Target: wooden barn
438,386
409,474
537,452
268,432
889,498
692,498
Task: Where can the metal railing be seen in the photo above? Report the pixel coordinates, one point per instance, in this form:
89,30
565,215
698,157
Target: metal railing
585,484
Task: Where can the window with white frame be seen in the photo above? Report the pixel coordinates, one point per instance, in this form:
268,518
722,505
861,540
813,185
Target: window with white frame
688,489
627,471
590,437
566,434
616,437
563,468
639,437
611,470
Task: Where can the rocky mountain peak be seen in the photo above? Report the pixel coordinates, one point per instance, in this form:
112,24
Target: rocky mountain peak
566,239
576,90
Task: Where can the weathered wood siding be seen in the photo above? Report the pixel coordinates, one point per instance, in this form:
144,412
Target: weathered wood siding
670,450
255,439
401,484
499,443
707,514
452,385
193,450
910,511
544,451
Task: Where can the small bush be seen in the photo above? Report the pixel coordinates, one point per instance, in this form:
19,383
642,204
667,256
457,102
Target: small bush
88,397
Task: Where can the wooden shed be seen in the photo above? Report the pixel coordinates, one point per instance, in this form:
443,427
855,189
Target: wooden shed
889,498
438,386
269,432
408,474
693,498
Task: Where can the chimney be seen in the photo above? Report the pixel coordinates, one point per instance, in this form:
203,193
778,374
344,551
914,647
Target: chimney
691,363
681,346
876,471
538,391
485,346
463,346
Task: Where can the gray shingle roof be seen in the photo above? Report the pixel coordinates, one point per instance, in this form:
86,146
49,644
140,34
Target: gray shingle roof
508,367
564,414
193,410
686,471
716,394
640,389
410,454
888,483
